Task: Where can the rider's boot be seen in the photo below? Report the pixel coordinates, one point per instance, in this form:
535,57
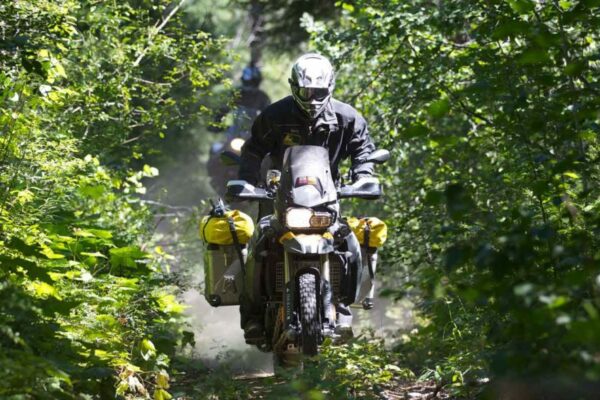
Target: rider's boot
254,332
344,322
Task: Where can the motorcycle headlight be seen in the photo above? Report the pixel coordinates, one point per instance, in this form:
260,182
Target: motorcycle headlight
304,218
320,220
237,143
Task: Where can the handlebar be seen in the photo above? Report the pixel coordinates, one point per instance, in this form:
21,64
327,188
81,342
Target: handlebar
364,188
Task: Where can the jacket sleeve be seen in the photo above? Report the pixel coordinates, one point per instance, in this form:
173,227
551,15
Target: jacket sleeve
255,149
360,147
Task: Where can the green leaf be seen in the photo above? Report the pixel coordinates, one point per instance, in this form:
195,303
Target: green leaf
93,191
126,256
565,5
94,254
571,174
590,309
47,251
83,233
31,268
169,304
575,68
439,108
43,289
161,394
521,6
415,130
24,248
533,56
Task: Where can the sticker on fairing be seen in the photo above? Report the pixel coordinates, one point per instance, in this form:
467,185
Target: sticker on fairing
291,139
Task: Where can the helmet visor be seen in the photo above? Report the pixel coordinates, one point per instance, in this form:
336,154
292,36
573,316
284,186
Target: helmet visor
309,93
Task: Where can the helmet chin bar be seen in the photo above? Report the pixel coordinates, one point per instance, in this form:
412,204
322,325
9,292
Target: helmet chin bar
312,110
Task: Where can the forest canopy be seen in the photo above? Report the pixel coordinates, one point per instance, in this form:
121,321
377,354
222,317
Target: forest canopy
491,110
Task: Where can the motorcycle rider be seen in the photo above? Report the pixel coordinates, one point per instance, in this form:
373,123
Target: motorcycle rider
251,97
310,116
250,102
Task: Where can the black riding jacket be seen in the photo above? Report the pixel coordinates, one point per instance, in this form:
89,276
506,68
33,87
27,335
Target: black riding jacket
339,128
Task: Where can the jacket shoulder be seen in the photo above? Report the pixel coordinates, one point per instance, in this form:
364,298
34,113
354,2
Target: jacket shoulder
275,109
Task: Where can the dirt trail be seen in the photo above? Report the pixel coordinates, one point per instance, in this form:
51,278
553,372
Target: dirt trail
262,387
219,338
220,344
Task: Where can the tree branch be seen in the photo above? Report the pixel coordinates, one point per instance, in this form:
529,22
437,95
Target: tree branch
156,30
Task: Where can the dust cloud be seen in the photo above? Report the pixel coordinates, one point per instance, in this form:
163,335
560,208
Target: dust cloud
219,338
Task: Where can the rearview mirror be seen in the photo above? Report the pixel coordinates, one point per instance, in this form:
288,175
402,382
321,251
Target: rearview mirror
378,156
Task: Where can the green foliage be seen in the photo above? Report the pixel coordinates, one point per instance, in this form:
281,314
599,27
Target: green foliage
491,112
282,29
358,369
87,90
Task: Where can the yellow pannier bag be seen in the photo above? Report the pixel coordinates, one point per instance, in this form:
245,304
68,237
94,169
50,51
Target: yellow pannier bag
377,230
215,230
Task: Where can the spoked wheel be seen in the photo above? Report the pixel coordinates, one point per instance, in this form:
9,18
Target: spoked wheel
309,314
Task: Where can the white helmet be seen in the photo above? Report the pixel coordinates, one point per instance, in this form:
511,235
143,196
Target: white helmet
312,81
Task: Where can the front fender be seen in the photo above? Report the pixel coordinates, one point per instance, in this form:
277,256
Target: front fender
307,244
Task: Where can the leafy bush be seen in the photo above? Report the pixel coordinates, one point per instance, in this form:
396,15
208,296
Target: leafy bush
359,369
491,112
87,306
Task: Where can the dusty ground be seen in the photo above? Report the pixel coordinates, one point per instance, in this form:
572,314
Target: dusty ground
220,344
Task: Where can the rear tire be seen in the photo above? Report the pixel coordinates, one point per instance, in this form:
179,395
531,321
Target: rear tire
309,314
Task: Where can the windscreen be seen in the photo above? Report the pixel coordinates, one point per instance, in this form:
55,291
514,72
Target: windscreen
306,177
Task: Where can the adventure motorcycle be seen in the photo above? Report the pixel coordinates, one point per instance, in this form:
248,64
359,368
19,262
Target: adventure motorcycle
303,259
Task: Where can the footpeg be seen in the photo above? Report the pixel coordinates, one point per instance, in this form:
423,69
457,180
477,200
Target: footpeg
343,334
368,303
258,341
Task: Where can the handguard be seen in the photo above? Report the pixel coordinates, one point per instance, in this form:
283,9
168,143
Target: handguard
242,190
368,188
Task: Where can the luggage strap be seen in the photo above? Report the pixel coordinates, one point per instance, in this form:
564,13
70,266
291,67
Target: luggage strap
366,244
236,243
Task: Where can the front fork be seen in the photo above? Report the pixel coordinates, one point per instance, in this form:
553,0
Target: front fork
327,308
327,295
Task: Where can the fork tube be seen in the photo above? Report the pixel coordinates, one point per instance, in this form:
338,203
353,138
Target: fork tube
287,289
286,267
327,291
325,272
